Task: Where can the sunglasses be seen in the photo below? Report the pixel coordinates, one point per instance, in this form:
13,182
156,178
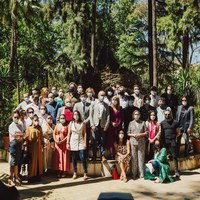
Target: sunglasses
167,114
30,112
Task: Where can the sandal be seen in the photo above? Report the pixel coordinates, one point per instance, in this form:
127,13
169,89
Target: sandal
18,182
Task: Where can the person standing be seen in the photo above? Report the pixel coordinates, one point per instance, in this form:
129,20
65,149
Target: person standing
24,103
116,121
59,98
62,157
154,96
35,104
76,142
169,132
72,93
99,122
138,97
137,132
35,144
185,118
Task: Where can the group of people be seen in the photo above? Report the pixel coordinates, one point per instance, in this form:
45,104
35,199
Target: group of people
50,126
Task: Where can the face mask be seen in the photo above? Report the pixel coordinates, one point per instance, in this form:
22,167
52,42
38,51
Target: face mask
36,100
152,117
80,90
109,93
184,103
101,98
157,146
121,136
15,120
34,92
130,103
49,120
36,123
114,102
169,91
76,117
71,89
153,93
83,99
136,117
51,100
60,94
62,121
42,112
68,105
147,102
31,115
89,94
26,99
136,92
168,118
54,92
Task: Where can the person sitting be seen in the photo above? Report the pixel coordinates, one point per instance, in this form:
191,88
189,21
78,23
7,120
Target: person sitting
122,148
158,167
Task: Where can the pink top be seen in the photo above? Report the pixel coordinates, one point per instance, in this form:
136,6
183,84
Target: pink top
152,129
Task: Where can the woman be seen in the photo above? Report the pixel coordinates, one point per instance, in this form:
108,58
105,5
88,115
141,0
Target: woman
42,114
122,148
16,134
90,94
44,96
109,94
154,130
62,157
158,167
35,143
47,129
116,120
76,142
137,132
59,99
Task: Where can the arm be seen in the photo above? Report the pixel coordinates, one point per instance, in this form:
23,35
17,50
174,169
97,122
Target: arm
191,120
84,135
128,148
108,117
58,115
54,133
68,136
162,155
158,133
91,114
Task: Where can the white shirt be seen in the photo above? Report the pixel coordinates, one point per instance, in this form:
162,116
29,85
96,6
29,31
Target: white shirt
101,107
13,128
35,107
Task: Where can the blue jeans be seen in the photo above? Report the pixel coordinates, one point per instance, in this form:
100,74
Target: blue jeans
155,165
98,139
75,158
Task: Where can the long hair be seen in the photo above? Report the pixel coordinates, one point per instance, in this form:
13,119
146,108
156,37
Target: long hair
79,115
124,139
152,111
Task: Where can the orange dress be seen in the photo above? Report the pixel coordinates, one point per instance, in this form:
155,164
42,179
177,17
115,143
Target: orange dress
62,155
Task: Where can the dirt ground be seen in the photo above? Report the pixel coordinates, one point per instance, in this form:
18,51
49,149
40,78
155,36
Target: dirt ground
52,188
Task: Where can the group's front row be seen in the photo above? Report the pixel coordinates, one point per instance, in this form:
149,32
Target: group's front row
48,147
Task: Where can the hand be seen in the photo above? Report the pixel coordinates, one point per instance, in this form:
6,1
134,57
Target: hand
68,146
93,128
114,124
150,161
189,131
105,129
151,140
84,146
178,134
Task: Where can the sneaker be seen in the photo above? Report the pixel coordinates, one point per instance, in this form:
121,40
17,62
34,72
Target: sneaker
74,176
85,177
177,175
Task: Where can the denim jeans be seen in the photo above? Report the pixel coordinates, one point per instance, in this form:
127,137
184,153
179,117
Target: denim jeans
75,158
155,165
98,139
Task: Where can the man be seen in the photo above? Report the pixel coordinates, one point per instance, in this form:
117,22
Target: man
138,102
67,110
24,103
35,90
72,93
154,97
54,91
35,104
52,107
169,133
185,118
99,123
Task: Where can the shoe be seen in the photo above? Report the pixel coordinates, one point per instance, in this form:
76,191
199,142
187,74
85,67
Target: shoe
18,182
177,175
125,180
85,177
157,180
10,182
58,175
74,176
121,177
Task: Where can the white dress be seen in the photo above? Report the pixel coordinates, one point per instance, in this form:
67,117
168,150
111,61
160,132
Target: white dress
76,138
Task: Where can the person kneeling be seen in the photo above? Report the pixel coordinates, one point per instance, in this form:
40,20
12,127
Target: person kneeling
158,167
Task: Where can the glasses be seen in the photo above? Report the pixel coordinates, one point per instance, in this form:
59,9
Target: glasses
49,118
62,118
167,114
30,112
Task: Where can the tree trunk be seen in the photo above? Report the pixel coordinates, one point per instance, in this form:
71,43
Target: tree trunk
93,36
154,43
150,44
186,43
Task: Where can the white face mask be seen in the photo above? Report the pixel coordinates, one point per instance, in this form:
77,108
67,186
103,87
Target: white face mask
130,103
36,123
169,91
184,103
153,93
152,117
76,117
68,105
80,90
101,98
34,92
121,136
26,99
62,121
136,117
42,112
51,100
31,115
49,120
15,120
83,99
136,92
109,93
60,94
114,102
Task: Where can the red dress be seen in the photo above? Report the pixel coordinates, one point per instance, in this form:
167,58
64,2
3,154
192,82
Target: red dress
62,155
116,116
